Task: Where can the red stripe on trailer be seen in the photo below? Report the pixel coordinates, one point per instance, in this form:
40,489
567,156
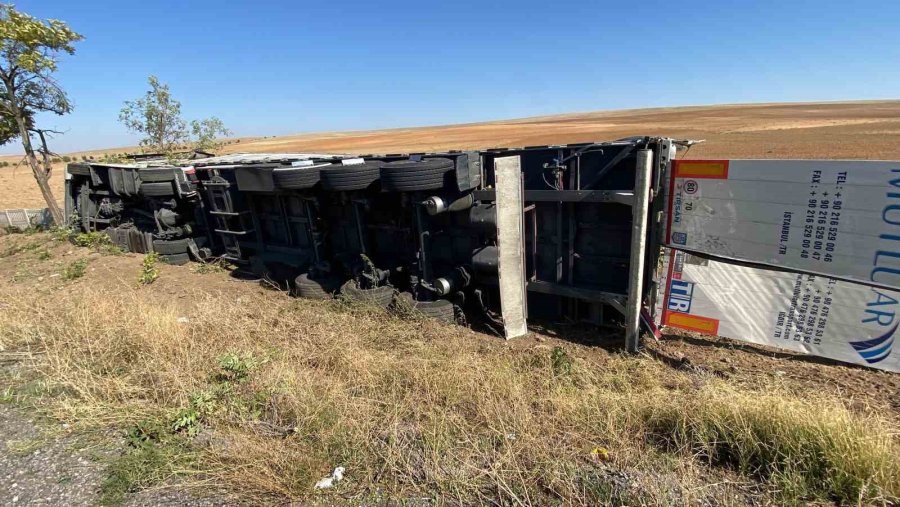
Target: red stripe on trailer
701,169
671,203
665,312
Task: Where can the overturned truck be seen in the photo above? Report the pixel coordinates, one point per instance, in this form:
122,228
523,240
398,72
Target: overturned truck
797,254
570,232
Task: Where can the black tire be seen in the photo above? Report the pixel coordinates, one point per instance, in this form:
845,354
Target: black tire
297,178
176,259
157,174
79,169
411,175
350,177
379,296
169,247
157,189
440,309
308,288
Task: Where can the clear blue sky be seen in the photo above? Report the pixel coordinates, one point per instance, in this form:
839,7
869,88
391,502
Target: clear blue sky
282,67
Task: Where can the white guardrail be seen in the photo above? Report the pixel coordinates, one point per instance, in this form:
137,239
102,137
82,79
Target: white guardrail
24,218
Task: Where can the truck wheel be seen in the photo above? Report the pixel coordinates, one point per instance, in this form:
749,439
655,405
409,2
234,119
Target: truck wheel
350,177
157,174
169,247
410,175
298,178
307,288
175,259
379,296
440,309
157,189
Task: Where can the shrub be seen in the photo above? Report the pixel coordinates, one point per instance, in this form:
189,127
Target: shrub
149,270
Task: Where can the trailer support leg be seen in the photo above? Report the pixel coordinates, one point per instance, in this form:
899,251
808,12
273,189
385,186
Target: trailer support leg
639,213
511,245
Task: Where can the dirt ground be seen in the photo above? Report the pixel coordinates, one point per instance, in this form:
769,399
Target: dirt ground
860,130
852,130
746,364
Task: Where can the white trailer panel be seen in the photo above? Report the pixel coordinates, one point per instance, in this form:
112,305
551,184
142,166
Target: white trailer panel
801,312
828,217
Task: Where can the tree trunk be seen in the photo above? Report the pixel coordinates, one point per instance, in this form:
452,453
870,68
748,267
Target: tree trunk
45,152
42,176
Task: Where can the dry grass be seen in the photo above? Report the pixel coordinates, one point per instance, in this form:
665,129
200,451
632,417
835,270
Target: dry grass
266,394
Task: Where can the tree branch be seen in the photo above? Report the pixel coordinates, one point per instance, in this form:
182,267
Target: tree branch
47,131
45,152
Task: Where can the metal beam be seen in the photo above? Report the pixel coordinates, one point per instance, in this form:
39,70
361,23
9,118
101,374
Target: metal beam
639,226
597,296
511,245
614,196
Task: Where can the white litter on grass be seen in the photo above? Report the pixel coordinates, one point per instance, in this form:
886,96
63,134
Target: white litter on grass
328,482
183,320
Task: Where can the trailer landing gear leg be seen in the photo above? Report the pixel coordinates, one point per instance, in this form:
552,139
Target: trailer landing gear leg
639,212
511,245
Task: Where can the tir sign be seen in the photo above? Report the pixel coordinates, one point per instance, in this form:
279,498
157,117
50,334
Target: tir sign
680,294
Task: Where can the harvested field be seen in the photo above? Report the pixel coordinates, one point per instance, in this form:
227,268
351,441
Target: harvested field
857,130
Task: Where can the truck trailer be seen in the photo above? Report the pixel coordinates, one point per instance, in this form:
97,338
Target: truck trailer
555,233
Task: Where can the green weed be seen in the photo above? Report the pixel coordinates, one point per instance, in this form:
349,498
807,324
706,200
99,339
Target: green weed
92,239
149,270
561,362
236,368
213,266
75,269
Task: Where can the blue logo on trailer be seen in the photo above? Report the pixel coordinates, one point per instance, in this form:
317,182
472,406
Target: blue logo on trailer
881,310
876,349
680,295
679,238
